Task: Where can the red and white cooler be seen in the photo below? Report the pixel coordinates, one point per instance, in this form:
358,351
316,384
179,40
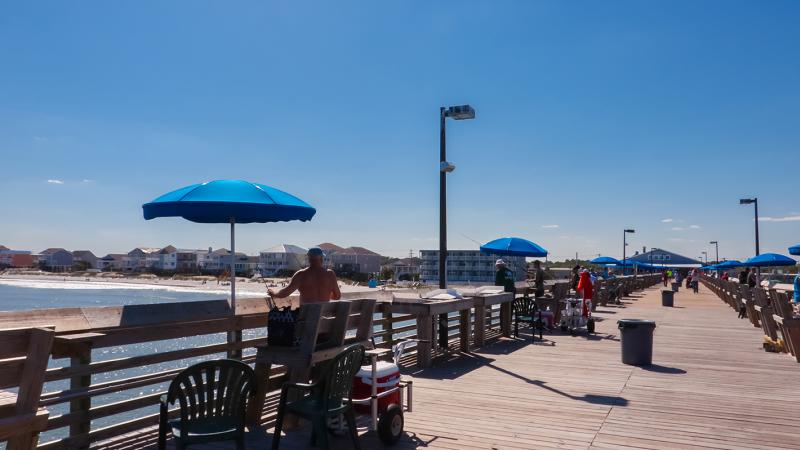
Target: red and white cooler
387,376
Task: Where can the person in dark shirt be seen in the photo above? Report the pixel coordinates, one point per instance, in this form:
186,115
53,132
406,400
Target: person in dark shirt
744,275
575,277
752,279
504,277
538,278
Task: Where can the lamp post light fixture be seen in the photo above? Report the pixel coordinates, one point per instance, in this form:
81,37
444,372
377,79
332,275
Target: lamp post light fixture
716,251
463,112
754,201
625,244
706,255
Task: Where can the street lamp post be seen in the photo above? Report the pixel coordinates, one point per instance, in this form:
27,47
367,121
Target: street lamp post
624,245
754,201
716,251
456,113
706,255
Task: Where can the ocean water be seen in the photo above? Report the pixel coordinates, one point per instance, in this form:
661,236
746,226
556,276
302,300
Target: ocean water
35,294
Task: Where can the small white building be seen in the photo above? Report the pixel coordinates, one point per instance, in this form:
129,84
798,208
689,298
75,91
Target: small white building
282,257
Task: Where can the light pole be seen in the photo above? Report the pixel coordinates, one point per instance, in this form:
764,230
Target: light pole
754,201
706,255
624,245
456,113
716,250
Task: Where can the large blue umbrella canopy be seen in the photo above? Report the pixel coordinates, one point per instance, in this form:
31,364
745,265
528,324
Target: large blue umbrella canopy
604,260
229,201
732,264
770,260
223,201
513,246
794,250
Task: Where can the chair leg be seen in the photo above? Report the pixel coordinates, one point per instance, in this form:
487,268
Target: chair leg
276,438
350,415
320,427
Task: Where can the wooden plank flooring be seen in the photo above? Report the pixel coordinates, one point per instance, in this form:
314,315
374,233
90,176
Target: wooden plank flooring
711,386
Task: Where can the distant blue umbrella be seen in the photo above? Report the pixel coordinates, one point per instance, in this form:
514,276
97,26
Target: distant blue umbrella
770,260
604,260
513,246
732,264
229,201
794,250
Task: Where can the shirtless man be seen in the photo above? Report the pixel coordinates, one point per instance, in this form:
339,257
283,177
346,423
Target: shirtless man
315,283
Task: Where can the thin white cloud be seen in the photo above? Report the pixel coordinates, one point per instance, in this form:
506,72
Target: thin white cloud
54,181
694,227
87,180
550,226
678,228
780,219
667,220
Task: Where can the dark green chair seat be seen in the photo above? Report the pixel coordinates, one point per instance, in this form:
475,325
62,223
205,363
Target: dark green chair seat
328,397
212,398
224,428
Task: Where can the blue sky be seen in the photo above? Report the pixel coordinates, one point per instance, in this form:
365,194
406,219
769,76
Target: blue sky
591,117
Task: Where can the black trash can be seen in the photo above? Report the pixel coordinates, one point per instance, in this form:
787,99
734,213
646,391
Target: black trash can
675,287
636,337
667,298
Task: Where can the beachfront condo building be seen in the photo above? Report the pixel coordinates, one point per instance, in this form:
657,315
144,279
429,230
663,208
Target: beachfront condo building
281,258
467,266
55,259
84,259
351,259
15,258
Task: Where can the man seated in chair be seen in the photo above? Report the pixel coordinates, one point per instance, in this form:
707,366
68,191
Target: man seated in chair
315,283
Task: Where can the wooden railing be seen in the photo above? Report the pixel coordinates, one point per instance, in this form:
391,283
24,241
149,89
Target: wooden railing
93,396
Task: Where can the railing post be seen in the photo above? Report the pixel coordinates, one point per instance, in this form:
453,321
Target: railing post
388,325
82,355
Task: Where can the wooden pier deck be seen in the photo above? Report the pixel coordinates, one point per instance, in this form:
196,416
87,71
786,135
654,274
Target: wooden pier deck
711,386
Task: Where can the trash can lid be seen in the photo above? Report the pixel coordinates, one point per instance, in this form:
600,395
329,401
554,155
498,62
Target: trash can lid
633,323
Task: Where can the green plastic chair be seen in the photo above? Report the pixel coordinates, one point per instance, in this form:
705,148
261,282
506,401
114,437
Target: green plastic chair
328,397
526,311
213,398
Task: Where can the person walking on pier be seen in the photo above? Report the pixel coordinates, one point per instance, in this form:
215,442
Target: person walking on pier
695,280
744,275
664,277
315,283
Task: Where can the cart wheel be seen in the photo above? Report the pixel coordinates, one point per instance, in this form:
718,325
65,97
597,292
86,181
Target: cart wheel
590,326
390,425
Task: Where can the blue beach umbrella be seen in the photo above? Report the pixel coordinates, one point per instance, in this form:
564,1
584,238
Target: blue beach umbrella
604,260
732,264
794,250
513,246
770,260
229,201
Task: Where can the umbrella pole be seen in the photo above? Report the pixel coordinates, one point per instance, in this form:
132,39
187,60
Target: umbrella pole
234,336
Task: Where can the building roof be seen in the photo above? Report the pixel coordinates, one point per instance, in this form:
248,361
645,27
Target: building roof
168,249
114,256
145,250
286,248
357,251
327,247
674,260
52,250
3,247
83,254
